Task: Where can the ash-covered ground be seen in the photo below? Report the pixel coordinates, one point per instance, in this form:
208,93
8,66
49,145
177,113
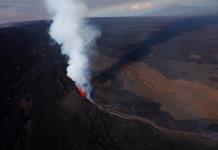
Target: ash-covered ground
162,69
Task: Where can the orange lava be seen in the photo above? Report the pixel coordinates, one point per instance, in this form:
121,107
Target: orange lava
81,91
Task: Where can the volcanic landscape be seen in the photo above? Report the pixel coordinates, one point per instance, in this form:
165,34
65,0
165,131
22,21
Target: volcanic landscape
155,84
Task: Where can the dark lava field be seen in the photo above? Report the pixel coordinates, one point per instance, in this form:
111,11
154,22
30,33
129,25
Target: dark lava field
155,87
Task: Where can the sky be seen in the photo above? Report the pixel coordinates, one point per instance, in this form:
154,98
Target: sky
22,10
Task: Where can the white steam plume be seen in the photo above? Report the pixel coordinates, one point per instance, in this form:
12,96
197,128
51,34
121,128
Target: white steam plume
71,30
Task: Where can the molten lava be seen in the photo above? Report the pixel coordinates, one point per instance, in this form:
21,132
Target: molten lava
81,91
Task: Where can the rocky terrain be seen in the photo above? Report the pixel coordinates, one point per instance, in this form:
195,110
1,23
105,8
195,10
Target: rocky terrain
41,110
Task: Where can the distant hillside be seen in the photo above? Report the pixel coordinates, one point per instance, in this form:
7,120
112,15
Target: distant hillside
184,10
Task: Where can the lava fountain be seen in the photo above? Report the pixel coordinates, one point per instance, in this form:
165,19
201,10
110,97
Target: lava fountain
81,91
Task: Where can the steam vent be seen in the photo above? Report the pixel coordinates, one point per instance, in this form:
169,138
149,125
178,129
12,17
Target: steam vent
42,109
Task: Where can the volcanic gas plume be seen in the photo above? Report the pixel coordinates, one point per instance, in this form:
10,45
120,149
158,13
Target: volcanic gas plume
71,30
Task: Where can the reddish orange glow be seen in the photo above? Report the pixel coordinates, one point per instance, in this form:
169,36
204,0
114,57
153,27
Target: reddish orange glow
81,91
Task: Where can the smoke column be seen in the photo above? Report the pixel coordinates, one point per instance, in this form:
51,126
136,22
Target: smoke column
71,30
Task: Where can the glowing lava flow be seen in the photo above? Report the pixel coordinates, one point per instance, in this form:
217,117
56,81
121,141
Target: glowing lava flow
165,130
153,124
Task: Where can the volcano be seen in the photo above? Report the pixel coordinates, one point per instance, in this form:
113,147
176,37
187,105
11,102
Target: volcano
42,109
